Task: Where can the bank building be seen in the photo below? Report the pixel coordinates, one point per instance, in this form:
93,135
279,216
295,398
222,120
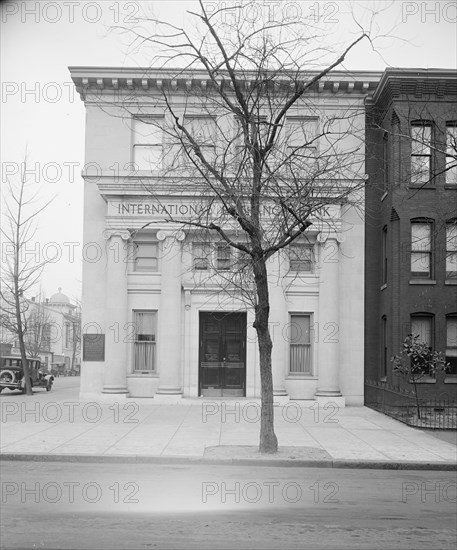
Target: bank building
162,317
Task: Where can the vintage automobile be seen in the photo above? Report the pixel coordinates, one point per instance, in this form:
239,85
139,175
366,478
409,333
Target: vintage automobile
12,374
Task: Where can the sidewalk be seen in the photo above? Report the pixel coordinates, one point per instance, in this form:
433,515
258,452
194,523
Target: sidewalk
57,426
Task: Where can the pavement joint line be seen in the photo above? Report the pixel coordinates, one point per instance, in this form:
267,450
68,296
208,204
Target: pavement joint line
270,462
176,431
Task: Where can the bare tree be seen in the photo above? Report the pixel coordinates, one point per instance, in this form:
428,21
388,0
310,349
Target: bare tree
239,143
19,274
37,325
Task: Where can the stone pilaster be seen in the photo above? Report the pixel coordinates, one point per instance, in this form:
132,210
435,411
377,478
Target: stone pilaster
116,314
169,329
278,324
328,387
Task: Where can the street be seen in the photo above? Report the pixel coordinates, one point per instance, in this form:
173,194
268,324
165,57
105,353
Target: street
139,506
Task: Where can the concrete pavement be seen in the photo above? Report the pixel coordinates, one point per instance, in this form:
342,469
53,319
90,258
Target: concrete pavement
58,426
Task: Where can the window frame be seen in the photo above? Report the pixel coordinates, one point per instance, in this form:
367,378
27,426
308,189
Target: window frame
451,275
206,258
384,245
451,181
421,275
307,369
451,358
137,245
303,246
424,151
145,342
138,143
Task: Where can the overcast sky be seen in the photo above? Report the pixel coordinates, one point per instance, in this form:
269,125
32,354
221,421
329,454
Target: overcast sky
41,111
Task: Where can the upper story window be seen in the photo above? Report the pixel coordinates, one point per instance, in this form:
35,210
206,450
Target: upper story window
451,153
301,136
223,257
421,154
421,249
384,255
148,143
451,250
203,130
301,258
422,326
201,253
146,256
385,161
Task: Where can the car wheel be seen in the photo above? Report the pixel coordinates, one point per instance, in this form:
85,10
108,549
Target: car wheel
49,386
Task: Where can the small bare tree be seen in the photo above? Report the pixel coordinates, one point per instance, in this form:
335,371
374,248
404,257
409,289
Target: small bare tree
19,275
37,325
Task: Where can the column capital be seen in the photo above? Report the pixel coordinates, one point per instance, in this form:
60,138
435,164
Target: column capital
325,236
124,234
163,234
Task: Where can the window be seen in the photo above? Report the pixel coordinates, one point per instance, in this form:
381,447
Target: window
421,249
451,250
385,161
301,258
300,344
384,255
223,257
383,346
421,134
67,334
301,141
201,254
451,343
451,153
203,130
243,258
145,340
422,326
147,143
146,256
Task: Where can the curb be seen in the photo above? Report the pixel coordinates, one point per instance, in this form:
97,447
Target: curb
197,460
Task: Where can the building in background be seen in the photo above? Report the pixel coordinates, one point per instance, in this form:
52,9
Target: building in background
411,222
156,322
53,328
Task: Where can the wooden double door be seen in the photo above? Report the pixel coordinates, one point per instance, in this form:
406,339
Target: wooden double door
222,359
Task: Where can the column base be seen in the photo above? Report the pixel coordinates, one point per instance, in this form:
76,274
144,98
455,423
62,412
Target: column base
337,400
115,390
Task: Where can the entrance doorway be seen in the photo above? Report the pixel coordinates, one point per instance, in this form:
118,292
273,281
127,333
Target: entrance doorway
222,360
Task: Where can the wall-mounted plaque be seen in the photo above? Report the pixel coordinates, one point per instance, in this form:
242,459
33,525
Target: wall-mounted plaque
93,347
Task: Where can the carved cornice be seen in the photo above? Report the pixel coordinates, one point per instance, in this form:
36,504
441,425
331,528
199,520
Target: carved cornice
95,79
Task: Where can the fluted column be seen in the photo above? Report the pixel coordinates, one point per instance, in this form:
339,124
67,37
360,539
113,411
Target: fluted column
169,333
116,315
328,387
278,324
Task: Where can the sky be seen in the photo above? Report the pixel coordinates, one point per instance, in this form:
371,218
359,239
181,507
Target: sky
42,117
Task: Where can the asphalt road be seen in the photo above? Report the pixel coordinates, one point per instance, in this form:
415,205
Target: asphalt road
98,506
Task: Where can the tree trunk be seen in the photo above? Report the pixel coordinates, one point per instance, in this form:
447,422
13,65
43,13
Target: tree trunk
20,337
268,440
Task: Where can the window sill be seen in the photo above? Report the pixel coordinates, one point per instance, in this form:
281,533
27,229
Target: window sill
422,282
425,381
422,186
300,376
143,374
452,186
450,282
383,379
383,286
451,379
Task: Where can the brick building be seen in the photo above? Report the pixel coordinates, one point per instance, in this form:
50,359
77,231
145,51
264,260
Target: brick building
410,225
